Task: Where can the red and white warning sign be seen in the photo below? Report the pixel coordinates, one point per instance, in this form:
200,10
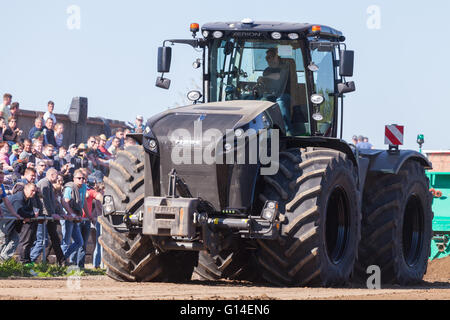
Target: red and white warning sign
393,135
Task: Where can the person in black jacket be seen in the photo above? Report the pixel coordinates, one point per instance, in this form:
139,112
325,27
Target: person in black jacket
50,210
49,134
24,202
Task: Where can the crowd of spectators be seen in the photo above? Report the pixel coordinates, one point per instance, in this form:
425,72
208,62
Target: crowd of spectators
41,177
361,142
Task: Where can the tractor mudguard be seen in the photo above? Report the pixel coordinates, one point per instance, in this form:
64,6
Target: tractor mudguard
391,161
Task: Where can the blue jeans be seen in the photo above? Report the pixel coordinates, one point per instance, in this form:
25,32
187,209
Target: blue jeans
70,230
80,255
284,101
38,245
97,255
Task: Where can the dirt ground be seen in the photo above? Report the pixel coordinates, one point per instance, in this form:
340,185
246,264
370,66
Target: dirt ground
436,286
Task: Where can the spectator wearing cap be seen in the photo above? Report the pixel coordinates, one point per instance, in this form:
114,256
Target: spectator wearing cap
49,113
139,125
4,107
16,150
49,133
59,129
12,133
38,127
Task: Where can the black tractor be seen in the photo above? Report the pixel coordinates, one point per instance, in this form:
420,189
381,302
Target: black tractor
251,180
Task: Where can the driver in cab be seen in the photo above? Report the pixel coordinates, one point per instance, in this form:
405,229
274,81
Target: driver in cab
274,82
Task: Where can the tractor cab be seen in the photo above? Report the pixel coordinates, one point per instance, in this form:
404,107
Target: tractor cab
292,64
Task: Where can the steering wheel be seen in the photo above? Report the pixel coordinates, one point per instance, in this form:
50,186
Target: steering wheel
258,89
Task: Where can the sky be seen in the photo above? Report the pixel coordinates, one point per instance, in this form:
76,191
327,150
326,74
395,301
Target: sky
107,51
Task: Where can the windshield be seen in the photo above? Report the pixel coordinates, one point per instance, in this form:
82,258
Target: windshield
250,69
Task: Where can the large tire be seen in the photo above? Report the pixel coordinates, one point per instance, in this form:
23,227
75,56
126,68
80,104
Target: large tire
232,263
396,225
317,193
130,256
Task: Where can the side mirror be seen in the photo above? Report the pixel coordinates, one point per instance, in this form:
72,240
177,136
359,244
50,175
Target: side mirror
163,83
346,63
346,87
164,59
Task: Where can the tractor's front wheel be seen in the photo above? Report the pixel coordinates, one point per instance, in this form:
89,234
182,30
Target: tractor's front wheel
317,193
131,256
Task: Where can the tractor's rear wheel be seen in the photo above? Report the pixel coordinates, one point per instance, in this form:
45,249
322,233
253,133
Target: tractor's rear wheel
131,256
318,195
396,225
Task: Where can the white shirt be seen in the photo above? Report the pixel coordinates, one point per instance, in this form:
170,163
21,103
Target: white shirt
49,115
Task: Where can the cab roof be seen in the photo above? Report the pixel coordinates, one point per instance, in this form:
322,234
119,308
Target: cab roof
266,26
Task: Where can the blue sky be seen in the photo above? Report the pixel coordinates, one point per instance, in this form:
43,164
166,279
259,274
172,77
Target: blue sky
401,69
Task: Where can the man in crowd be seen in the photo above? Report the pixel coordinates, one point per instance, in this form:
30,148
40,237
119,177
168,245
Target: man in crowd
41,167
12,133
74,202
93,155
38,127
139,125
49,113
14,109
49,134
25,202
4,107
119,133
104,153
115,146
49,210
9,237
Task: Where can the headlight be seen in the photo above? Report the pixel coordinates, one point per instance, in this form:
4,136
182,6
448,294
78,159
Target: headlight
293,36
217,34
276,35
205,33
270,211
108,205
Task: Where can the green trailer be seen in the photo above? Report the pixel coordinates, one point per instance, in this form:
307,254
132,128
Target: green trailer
440,188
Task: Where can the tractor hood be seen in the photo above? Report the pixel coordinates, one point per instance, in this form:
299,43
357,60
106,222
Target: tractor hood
242,110
189,127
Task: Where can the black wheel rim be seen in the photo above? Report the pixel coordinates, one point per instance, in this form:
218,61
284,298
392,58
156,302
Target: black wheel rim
413,230
337,225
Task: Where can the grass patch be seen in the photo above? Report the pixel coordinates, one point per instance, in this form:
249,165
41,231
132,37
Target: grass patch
12,268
